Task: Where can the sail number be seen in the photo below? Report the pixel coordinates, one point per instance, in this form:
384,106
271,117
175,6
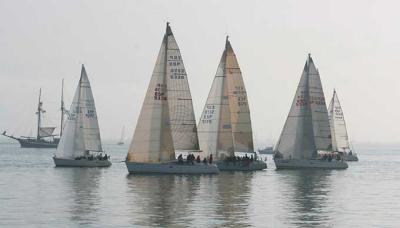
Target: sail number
208,114
159,92
240,92
176,67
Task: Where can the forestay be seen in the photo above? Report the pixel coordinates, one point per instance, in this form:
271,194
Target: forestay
306,129
152,140
340,139
81,132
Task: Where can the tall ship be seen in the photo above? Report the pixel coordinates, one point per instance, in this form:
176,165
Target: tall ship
225,124
80,145
307,129
166,122
340,138
45,137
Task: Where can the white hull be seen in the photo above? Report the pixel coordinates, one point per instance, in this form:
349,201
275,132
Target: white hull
309,164
241,165
348,157
65,162
171,168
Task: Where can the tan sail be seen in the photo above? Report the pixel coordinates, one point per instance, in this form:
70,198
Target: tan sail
238,103
152,140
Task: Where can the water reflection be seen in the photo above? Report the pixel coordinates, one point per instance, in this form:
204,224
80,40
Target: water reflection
162,200
84,192
233,195
306,192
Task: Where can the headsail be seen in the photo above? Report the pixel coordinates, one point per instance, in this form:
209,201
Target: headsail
81,131
340,139
181,112
152,140
306,129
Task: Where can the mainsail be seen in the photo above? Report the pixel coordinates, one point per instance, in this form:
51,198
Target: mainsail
340,139
152,141
81,132
306,129
181,112
225,124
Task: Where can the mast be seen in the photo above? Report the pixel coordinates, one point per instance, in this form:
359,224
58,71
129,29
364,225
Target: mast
62,108
39,112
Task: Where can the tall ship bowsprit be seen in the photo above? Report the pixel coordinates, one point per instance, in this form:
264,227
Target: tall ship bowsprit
44,134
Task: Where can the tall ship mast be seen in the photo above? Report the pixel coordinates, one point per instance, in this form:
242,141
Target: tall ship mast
44,135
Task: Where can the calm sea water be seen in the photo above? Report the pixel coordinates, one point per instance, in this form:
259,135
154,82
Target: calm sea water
35,193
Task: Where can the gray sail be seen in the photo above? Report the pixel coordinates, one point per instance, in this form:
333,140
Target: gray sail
181,112
152,141
306,129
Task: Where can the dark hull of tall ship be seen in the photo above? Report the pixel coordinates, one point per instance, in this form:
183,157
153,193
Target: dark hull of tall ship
34,143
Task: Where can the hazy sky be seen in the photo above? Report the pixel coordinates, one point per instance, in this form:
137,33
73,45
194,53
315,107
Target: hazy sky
355,45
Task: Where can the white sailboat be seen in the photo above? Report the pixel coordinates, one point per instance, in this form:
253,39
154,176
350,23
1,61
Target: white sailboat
307,129
166,119
80,144
340,139
225,124
121,140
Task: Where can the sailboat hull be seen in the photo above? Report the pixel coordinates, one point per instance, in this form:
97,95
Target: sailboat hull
241,165
170,168
34,143
309,164
348,157
65,162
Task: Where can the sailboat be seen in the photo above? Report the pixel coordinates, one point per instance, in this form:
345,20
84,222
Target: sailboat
80,145
121,140
164,122
306,130
225,124
44,134
340,139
